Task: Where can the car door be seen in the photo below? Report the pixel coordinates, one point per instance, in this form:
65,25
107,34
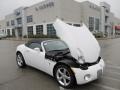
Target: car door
34,56
48,64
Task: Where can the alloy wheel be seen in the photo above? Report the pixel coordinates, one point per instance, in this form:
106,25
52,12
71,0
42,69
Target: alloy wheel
63,76
19,60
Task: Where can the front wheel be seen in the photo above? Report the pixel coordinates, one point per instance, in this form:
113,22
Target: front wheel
20,60
64,76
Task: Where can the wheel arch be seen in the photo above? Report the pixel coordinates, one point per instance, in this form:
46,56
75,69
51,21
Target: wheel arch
62,63
19,52
56,65
67,63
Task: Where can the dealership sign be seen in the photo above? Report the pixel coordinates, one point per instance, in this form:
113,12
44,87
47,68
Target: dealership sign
44,6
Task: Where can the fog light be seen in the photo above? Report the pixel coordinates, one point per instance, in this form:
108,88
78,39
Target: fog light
87,77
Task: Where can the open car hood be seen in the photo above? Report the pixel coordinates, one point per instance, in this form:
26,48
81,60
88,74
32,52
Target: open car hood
80,41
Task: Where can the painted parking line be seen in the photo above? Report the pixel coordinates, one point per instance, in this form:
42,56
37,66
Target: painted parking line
104,86
61,88
97,85
113,72
110,78
113,66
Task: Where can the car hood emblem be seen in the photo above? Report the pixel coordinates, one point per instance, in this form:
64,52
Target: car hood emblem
78,37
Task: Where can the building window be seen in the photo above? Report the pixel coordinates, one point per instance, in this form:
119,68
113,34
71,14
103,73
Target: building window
107,10
97,23
50,30
106,19
2,31
13,32
12,22
39,29
77,25
91,23
17,13
29,19
8,32
20,31
30,30
8,24
19,20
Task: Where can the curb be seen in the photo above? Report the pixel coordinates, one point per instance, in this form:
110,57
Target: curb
25,39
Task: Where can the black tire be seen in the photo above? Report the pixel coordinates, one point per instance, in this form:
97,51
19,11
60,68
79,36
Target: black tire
69,73
21,63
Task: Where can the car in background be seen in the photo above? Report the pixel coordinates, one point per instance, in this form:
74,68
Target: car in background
2,36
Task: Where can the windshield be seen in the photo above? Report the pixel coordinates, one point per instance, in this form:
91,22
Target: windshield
55,45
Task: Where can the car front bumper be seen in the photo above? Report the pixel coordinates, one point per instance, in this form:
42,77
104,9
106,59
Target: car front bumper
92,73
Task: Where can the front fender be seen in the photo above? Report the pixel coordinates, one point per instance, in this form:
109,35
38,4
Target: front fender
69,63
20,48
72,63
66,62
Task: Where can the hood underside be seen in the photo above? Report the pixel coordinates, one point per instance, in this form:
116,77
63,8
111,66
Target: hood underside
80,41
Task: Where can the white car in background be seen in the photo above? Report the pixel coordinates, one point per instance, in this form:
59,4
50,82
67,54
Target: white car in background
74,59
2,35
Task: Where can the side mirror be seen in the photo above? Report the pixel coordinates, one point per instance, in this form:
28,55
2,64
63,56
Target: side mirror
37,49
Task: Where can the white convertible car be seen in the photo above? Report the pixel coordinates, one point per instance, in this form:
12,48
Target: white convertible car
72,59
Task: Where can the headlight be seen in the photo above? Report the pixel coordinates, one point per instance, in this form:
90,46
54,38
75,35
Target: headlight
81,59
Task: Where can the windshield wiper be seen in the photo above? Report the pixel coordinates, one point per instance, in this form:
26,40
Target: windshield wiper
66,53
55,50
62,53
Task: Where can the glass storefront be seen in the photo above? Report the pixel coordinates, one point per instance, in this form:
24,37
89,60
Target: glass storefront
39,30
30,30
50,30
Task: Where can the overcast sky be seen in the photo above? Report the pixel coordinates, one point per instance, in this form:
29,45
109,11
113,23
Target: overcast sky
7,6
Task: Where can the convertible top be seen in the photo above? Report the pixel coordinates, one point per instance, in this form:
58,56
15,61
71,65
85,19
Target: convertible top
38,41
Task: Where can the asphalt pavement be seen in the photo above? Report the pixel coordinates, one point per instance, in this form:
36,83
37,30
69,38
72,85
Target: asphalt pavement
13,78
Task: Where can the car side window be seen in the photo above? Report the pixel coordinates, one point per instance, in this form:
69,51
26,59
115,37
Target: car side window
35,45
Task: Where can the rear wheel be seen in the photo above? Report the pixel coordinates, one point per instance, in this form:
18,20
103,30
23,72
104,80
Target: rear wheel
20,60
64,76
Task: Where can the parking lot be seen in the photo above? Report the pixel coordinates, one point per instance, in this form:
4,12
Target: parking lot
13,78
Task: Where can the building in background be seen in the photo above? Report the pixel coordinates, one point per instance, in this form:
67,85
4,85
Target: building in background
2,27
116,27
10,25
91,16
38,19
